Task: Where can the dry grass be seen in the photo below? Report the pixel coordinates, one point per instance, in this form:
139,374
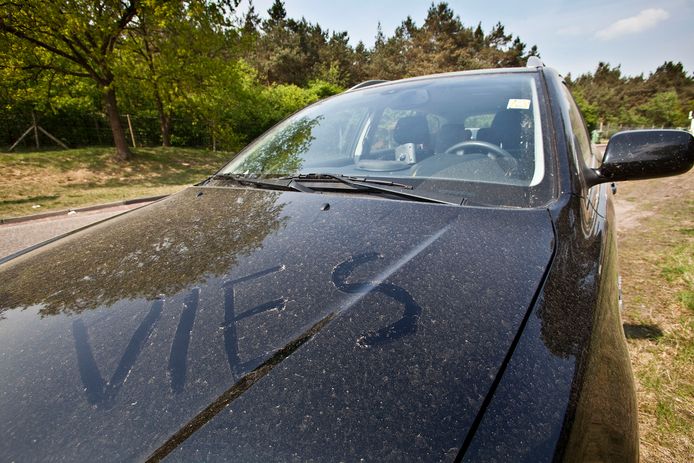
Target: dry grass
656,240
79,177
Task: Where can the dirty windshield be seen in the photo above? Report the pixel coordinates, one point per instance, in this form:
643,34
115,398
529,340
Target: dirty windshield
476,135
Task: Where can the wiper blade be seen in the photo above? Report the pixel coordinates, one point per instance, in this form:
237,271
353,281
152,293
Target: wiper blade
365,184
369,184
350,180
244,180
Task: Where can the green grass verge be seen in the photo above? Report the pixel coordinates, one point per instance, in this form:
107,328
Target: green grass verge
48,180
657,266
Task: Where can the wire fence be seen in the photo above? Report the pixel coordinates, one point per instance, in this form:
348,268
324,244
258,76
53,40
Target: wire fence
92,129
82,130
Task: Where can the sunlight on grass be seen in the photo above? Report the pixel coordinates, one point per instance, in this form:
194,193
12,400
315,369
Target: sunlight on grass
48,180
657,267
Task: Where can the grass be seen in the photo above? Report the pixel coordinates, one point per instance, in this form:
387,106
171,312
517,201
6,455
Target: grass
49,180
657,267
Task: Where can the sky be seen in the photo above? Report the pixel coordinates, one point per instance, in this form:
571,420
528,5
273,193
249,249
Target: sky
572,36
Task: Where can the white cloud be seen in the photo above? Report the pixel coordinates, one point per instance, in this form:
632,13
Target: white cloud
646,19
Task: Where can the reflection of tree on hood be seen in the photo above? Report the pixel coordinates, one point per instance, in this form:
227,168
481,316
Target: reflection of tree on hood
162,249
281,153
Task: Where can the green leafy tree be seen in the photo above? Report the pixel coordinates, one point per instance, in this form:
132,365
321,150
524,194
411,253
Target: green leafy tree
387,60
75,38
360,63
664,109
171,47
443,44
661,99
251,21
231,76
589,111
672,76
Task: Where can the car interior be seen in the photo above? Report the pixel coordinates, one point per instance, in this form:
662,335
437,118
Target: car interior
479,130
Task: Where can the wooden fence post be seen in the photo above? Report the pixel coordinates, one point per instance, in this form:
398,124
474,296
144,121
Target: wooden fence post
130,127
36,130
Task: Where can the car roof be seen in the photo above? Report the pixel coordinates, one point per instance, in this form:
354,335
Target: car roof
472,72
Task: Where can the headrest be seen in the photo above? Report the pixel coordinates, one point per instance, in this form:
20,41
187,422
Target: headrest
412,129
449,135
507,128
507,119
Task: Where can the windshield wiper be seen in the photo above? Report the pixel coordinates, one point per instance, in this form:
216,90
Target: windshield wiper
371,185
364,184
349,180
244,180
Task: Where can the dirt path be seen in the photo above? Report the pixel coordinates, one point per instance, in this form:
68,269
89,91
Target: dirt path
635,201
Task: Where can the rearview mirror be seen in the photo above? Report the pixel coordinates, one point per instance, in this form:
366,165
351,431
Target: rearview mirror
410,99
641,154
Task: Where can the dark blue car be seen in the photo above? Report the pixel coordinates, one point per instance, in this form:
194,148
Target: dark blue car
420,270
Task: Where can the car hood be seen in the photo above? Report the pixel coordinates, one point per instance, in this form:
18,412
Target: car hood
227,323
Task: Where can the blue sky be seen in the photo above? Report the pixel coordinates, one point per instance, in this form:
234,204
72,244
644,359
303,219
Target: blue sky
572,36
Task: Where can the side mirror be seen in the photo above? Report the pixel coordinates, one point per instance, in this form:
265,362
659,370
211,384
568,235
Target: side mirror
641,154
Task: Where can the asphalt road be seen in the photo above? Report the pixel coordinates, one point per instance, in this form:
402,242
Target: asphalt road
17,236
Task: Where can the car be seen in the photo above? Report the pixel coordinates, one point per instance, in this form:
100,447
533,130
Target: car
418,270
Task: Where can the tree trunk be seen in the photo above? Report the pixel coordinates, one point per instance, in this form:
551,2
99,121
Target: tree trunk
164,124
165,130
164,118
122,150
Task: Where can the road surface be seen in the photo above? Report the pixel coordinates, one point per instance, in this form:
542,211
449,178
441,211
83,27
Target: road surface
17,236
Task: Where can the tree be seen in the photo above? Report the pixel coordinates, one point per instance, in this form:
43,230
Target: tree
443,44
589,111
251,21
672,76
664,109
604,89
659,100
289,51
230,75
78,38
277,13
387,60
360,62
171,47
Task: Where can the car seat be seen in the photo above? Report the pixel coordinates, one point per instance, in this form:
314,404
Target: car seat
414,129
505,130
449,135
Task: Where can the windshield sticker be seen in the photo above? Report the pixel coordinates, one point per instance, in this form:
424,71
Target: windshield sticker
518,104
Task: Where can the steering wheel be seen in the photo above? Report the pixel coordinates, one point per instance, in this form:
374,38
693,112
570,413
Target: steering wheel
500,155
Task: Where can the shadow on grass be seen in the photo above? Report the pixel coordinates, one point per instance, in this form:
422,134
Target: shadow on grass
29,200
634,331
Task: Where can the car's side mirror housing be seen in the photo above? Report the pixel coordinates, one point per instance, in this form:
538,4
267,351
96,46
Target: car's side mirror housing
641,154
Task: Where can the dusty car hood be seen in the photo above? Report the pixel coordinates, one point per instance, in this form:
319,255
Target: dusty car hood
254,325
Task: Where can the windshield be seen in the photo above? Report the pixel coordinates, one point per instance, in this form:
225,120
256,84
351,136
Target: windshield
478,136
